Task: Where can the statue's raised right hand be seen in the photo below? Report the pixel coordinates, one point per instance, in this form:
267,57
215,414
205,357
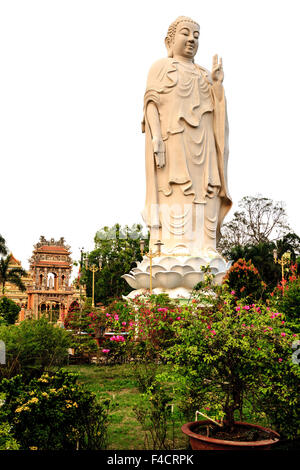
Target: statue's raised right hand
159,151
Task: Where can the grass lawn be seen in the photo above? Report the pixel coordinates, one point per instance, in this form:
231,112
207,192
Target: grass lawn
118,383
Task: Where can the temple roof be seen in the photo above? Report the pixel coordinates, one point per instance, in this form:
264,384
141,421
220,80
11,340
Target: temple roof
14,260
52,246
52,249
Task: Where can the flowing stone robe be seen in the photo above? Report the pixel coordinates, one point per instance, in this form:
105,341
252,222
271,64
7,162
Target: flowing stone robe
195,132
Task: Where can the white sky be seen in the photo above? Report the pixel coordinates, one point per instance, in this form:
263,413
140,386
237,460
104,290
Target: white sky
73,76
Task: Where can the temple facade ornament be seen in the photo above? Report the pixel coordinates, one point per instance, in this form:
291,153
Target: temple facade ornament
48,288
51,267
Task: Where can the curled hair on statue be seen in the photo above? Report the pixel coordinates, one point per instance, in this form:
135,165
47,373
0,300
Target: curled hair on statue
172,31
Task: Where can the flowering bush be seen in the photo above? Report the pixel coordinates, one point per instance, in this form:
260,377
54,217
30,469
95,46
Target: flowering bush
147,330
232,356
115,349
90,324
244,279
152,326
81,324
119,309
54,413
286,296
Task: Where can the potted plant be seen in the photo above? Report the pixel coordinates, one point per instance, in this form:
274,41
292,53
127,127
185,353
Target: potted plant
233,360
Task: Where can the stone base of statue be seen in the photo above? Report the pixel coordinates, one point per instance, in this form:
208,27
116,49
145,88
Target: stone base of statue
174,275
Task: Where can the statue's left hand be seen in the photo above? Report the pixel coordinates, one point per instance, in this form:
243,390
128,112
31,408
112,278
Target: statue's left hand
217,73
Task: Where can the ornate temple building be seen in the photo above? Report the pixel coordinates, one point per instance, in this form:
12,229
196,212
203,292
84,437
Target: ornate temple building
48,288
12,291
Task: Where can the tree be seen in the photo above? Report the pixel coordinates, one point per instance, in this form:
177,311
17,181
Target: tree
260,220
12,275
290,242
119,249
3,248
9,310
261,255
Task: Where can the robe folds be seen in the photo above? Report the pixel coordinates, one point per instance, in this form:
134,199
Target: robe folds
194,129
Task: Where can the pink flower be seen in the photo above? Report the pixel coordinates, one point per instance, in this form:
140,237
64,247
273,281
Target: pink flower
280,359
116,317
213,332
283,334
117,338
178,318
237,309
105,351
162,309
282,322
124,323
246,307
108,315
232,292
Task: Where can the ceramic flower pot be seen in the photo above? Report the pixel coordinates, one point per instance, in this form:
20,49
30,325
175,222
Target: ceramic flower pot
202,442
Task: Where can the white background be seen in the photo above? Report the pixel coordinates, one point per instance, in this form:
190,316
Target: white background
73,76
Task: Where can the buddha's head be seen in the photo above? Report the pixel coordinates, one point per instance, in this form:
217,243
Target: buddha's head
182,38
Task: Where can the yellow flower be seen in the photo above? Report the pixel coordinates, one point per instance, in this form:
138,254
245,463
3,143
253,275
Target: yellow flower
26,408
33,448
45,394
33,400
18,410
75,404
52,390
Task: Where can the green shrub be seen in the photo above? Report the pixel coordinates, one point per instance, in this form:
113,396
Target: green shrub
32,347
54,412
7,442
153,413
9,311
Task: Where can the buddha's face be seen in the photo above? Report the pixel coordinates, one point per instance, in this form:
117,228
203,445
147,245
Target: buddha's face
186,40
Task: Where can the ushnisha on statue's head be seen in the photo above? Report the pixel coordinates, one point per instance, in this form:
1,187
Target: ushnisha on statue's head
182,39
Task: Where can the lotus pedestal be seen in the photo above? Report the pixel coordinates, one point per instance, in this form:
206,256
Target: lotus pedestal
174,275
